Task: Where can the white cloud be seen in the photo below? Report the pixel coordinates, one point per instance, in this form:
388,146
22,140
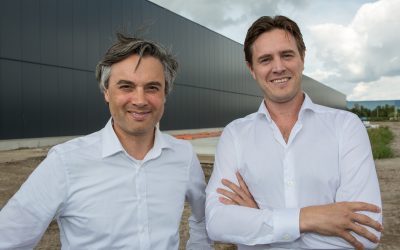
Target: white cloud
385,88
230,18
364,51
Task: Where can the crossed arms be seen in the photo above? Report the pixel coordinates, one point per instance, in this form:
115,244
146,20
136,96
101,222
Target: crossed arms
238,213
336,219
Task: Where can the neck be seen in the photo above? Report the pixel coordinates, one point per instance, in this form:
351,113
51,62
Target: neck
137,146
287,110
285,114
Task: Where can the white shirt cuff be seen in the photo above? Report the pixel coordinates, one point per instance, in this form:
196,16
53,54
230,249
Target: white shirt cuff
286,224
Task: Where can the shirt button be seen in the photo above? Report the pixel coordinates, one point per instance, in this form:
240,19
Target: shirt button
286,237
289,183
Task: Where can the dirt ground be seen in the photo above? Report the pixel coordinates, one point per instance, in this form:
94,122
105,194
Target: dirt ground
16,165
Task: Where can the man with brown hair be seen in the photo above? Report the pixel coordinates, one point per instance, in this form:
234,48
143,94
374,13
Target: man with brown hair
123,187
293,175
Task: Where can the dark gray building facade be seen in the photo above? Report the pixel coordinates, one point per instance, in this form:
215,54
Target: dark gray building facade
49,50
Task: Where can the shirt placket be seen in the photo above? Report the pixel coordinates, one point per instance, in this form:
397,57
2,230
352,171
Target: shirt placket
289,182
143,222
289,178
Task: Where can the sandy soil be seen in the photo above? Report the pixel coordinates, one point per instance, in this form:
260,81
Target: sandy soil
16,165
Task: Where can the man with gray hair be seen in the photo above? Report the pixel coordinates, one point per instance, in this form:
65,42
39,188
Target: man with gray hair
123,187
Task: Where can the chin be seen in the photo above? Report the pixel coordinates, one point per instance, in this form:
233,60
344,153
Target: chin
138,132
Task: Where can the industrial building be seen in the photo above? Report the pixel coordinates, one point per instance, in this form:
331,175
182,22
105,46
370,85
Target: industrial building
49,50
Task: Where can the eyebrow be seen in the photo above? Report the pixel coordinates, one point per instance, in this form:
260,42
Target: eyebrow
154,83
288,51
265,56
121,82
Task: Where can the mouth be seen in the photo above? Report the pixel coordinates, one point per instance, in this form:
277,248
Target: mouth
139,115
280,80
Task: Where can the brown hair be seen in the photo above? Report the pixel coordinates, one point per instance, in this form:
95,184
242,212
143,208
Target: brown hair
267,23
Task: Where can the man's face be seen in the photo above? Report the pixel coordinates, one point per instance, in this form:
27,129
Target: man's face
136,96
277,66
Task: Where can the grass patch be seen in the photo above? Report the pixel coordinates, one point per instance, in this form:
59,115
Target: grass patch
380,142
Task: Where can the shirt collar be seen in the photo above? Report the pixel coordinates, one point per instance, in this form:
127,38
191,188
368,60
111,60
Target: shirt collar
307,105
263,111
160,143
111,144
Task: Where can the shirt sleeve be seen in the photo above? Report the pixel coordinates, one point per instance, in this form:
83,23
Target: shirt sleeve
26,216
242,225
358,181
195,195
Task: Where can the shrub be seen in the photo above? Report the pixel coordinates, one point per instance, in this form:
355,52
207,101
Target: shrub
380,142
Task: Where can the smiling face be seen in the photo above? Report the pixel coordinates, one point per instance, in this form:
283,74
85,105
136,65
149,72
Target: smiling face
277,66
136,96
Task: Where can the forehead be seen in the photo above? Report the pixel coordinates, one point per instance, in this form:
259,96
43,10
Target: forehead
274,41
145,68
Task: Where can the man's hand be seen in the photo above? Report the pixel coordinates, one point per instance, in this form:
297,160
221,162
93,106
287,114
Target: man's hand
238,195
339,219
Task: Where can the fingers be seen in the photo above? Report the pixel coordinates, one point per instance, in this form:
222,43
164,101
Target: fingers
236,199
367,221
363,206
233,187
239,195
226,201
243,184
352,240
362,231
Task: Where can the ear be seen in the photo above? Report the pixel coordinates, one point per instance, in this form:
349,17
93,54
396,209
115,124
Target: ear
106,96
304,56
251,70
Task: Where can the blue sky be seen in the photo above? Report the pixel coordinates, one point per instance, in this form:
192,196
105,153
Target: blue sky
352,45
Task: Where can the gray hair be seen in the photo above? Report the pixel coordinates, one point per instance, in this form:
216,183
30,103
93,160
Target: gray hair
127,46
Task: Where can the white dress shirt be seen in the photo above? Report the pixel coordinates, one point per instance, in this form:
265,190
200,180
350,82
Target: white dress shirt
327,159
103,198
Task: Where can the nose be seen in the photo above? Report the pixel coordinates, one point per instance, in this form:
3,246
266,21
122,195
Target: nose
139,97
278,66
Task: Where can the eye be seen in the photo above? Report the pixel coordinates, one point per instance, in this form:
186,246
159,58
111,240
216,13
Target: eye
125,86
287,56
264,60
153,88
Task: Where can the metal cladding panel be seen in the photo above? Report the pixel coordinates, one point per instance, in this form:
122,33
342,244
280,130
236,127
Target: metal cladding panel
49,50
49,104
322,94
80,34
30,99
11,99
30,31
10,25
64,34
48,31
191,107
